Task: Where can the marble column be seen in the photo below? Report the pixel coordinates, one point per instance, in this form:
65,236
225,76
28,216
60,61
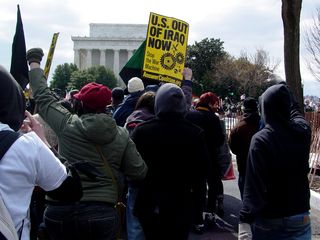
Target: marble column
116,62
89,58
77,57
103,57
130,53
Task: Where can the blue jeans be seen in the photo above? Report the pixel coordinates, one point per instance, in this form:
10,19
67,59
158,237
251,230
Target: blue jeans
134,228
83,221
295,227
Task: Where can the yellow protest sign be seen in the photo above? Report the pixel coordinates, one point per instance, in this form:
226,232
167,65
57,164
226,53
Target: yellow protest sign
166,46
50,54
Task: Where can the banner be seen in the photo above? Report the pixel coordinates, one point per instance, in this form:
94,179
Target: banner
19,65
165,51
50,54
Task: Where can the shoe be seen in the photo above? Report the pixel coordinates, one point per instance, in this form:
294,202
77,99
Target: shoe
210,219
198,228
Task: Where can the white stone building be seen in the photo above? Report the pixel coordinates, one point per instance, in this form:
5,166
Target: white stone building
109,45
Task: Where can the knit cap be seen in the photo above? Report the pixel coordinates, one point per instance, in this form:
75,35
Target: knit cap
94,96
250,105
135,84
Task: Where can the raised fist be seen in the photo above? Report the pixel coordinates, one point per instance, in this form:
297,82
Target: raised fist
187,73
34,55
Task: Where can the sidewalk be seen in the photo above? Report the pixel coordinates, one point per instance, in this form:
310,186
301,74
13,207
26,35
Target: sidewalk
315,200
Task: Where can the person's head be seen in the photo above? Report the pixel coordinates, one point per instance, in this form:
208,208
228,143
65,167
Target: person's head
135,84
275,104
12,100
146,100
170,101
92,98
209,100
250,105
117,95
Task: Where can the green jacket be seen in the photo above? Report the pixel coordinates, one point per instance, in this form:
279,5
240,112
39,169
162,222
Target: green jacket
78,138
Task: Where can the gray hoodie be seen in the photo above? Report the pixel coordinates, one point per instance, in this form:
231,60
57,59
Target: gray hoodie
169,101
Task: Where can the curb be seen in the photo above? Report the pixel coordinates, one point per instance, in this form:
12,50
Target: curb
315,200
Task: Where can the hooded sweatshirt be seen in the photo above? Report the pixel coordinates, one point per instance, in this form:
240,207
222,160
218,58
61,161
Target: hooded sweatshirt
170,101
276,182
11,112
175,152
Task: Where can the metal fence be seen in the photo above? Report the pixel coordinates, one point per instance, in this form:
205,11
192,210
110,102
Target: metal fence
314,119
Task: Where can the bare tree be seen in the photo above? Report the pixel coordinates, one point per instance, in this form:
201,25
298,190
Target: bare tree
312,39
291,11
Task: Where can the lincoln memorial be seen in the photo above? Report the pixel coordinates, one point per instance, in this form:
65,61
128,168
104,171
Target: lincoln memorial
109,45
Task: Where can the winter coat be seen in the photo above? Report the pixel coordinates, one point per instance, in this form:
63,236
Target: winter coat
210,123
78,138
136,117
126,108
240,138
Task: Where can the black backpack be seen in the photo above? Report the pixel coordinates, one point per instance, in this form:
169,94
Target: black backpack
7,138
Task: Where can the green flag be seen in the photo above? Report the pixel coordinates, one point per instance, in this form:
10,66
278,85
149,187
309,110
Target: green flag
19,65
133,67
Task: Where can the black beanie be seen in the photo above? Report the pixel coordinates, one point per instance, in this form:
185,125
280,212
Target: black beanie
250,105
118,93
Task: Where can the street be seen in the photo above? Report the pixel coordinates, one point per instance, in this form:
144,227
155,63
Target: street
227,227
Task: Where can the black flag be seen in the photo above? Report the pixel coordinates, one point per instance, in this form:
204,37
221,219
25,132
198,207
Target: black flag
19,65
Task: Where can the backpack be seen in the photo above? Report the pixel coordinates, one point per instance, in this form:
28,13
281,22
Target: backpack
7,228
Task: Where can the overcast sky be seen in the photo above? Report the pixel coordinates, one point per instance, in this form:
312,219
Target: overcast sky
243,25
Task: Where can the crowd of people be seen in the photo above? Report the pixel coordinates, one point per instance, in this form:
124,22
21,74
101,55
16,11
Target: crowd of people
154,150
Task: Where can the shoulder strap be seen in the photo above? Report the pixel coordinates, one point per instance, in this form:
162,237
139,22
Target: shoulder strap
7,138
109,170
7,228
107,166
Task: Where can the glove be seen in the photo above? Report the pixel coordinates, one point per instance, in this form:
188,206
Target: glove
34,55
187,73
244,231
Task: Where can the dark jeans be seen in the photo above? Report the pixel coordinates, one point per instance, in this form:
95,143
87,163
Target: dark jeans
214,187
37,206
82,221
172,224
295,227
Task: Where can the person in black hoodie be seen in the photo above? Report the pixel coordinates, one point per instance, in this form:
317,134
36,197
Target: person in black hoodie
276,193
175,151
